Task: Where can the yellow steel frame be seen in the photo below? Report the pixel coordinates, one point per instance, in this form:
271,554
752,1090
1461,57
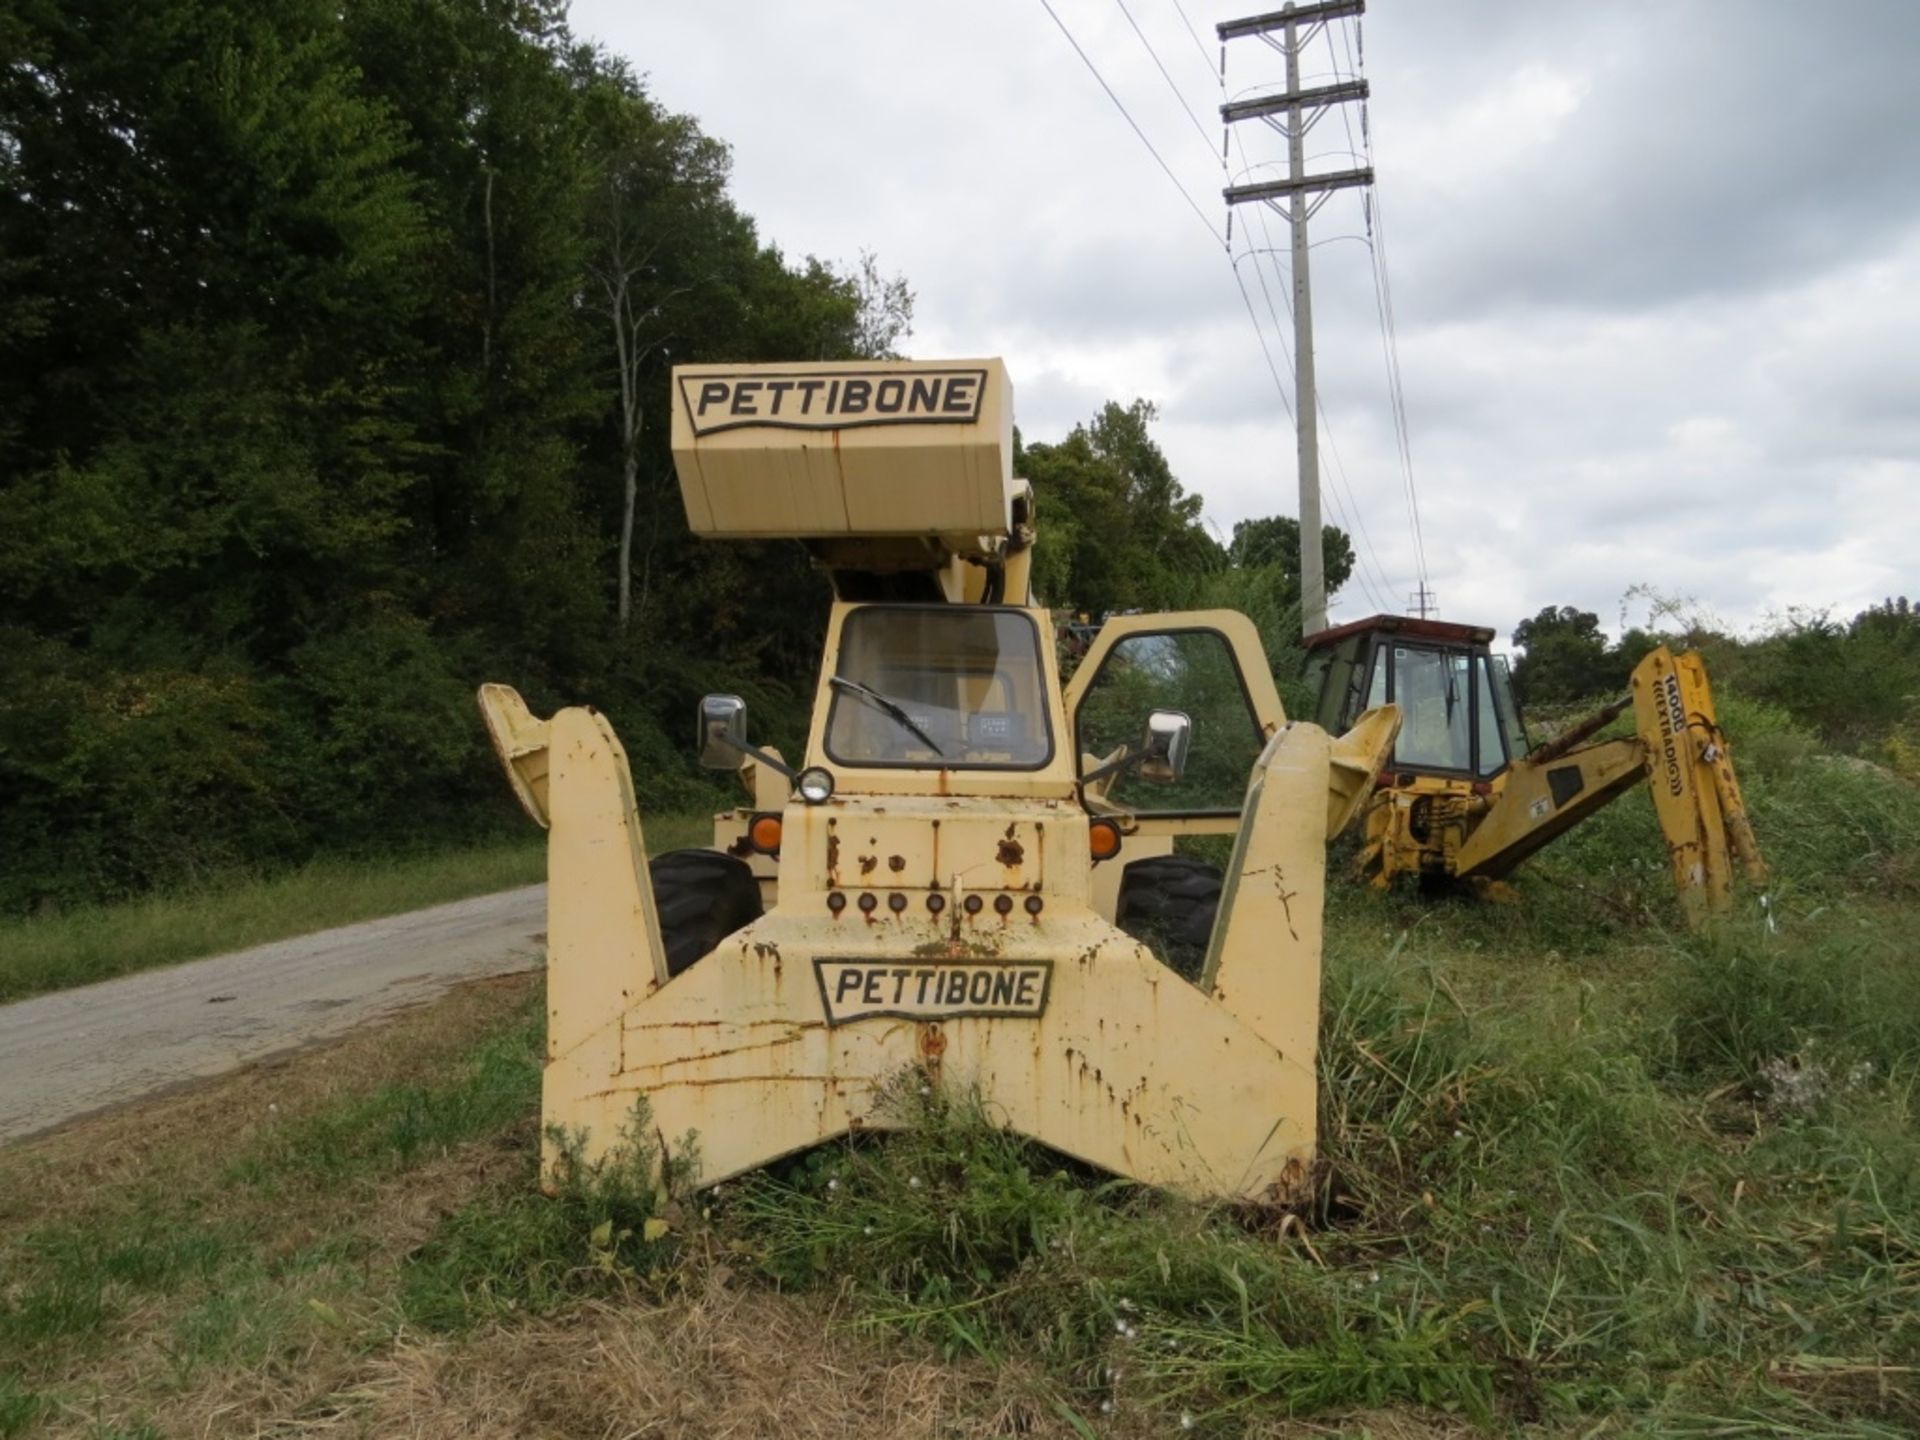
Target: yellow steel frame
1436,825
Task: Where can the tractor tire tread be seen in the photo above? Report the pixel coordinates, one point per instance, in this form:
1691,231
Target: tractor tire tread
1169,903
700,897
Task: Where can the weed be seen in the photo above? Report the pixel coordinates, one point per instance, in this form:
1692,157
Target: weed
215,1250
45,1313
606,1229
958,1232
398,1126
1754,1009
19,1407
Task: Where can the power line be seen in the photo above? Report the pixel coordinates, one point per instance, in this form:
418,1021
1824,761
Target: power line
1192,204
1354,45
1339,464
1226,245
1364,552
1154,55
1396,388
1364,535
1198,44
1383,303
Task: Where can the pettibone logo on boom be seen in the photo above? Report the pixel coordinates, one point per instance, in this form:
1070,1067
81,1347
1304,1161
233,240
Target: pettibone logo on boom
932,990
832,400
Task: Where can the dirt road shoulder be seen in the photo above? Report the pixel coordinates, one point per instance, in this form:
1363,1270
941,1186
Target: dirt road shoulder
77,1051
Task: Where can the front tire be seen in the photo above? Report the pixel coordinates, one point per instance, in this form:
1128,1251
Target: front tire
1169,904
701,897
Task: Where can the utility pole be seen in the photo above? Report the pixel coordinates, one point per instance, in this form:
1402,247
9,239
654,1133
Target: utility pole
1422,601
1297,26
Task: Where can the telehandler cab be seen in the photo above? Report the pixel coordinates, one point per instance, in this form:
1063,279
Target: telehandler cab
1465,796
933,890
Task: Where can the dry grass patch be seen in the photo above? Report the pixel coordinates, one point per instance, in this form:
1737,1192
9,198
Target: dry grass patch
184,1136
730,1364
248,1230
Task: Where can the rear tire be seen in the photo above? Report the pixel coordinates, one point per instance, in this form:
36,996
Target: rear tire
1169,903
701,897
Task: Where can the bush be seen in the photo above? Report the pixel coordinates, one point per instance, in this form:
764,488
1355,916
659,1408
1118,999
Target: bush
1852,684
1765,738
114,781
604,1231
1753,1009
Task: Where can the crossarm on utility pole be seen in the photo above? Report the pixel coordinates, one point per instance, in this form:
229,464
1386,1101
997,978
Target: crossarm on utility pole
1235,110
1296,24
1311,14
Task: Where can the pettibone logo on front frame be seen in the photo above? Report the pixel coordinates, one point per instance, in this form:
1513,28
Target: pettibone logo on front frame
932,989
831,400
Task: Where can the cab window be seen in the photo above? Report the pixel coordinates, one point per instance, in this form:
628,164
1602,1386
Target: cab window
944,687
1193,671
1431,689
1493,750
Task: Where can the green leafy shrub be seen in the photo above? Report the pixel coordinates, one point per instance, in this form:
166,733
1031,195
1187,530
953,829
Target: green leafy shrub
604,1230
1755,1009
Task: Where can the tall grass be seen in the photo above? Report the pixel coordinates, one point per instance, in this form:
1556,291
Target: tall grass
985,1245
1524,1213
86,943
97,942
1576,1163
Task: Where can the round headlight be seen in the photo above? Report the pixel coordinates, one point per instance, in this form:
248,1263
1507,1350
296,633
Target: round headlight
815,785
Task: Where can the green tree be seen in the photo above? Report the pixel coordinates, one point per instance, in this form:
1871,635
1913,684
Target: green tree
1119,530
1275,541
1566,657
1854,682
311,416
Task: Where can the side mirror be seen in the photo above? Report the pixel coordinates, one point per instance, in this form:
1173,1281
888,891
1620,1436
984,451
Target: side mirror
723,731
1163,750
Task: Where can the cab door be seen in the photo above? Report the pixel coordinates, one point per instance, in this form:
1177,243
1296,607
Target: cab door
1210,665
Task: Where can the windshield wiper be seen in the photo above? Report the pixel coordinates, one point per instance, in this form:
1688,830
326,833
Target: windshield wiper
892,708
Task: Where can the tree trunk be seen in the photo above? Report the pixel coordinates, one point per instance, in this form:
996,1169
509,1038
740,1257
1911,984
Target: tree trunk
630,470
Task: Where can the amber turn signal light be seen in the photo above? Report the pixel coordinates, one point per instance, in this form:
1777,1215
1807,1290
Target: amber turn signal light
763,833
1103,839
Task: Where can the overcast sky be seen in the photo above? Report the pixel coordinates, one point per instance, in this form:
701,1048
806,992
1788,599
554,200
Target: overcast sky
1655,267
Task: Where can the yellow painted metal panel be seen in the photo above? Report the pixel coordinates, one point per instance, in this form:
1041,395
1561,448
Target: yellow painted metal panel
1068,1030
753,463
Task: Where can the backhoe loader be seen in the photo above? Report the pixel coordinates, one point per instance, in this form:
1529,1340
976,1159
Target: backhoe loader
1465,797
937,889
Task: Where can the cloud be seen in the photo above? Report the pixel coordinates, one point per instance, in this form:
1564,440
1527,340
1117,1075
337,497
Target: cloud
1653,266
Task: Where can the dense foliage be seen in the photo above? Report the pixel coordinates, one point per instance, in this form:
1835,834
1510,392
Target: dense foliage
333,353
1855,685
313,324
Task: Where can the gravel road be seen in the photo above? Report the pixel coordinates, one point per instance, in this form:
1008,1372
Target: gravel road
76,1051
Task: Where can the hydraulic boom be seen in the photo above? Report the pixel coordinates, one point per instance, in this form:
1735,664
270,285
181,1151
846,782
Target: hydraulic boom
1466,798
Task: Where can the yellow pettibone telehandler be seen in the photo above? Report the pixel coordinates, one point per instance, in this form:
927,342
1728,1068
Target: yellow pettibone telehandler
1466,798
952,883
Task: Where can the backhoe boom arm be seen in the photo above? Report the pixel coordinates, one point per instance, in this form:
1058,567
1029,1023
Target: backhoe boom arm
1682,754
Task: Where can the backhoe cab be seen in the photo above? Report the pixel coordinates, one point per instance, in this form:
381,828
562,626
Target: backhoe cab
1465,796
953,880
